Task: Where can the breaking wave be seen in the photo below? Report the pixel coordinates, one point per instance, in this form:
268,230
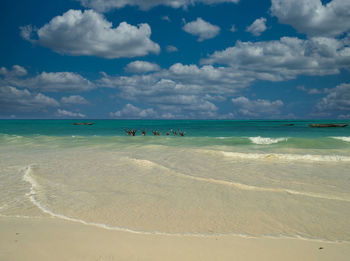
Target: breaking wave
289,157
347,139
266,141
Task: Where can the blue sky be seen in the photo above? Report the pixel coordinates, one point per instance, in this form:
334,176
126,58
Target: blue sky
197,59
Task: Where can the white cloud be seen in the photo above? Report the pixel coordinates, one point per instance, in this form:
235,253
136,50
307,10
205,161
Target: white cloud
166,18
142,67
311,91
74,99
257,27
131,111
286,58
344,117
17,71
179,79
171,49
312,17
202,29
182,90
233,28
13,100
46,82
195,91
64,113
337,101
106,5
260,107
90,34
57,82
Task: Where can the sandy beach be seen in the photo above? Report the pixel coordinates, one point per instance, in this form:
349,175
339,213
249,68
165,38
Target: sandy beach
191,198
53,239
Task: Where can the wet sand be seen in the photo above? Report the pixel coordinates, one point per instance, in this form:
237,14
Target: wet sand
43,239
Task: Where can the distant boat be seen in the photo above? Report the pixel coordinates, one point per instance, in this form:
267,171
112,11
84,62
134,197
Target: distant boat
83,123
328,125
288,124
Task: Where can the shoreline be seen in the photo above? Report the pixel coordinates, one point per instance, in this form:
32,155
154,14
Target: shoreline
50,238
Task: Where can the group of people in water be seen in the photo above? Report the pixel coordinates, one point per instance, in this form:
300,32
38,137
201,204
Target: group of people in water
132,132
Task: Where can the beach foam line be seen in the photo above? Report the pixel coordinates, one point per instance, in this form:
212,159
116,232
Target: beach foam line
241,186
265,140
28,177
289,157
347,139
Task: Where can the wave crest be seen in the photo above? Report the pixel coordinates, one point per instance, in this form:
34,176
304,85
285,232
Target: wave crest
347,139
265,140
291,157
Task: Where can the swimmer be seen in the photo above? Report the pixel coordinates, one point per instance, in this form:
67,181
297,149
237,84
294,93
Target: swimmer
133,132
128,132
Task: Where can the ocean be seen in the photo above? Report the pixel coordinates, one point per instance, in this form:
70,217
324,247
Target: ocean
247,178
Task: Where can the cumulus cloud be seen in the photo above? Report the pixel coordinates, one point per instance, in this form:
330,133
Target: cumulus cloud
69,114
337,102
131,111
171,49
194,91
13,100
202,29
45,81
74,99
183,90
57,82
257,27
88,33
106,5
312,17
142,67
260,107
16,71
179,79
311,91
285,58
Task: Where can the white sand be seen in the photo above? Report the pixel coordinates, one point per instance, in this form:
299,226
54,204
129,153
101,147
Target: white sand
28,239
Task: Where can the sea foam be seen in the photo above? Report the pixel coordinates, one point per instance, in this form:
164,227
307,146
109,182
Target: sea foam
289,157
347,139
266,141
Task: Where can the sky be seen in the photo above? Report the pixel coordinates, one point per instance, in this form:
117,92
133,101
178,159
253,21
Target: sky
175,59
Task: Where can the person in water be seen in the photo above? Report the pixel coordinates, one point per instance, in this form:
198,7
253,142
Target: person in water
133,132
156,132
143,132
128,132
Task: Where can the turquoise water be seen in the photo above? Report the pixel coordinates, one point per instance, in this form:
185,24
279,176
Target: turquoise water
193,128
198,132
248,178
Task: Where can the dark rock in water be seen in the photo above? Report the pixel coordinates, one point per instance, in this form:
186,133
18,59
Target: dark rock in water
83,123
328,125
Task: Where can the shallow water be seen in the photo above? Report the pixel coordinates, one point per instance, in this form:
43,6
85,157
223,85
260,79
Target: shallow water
264,185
